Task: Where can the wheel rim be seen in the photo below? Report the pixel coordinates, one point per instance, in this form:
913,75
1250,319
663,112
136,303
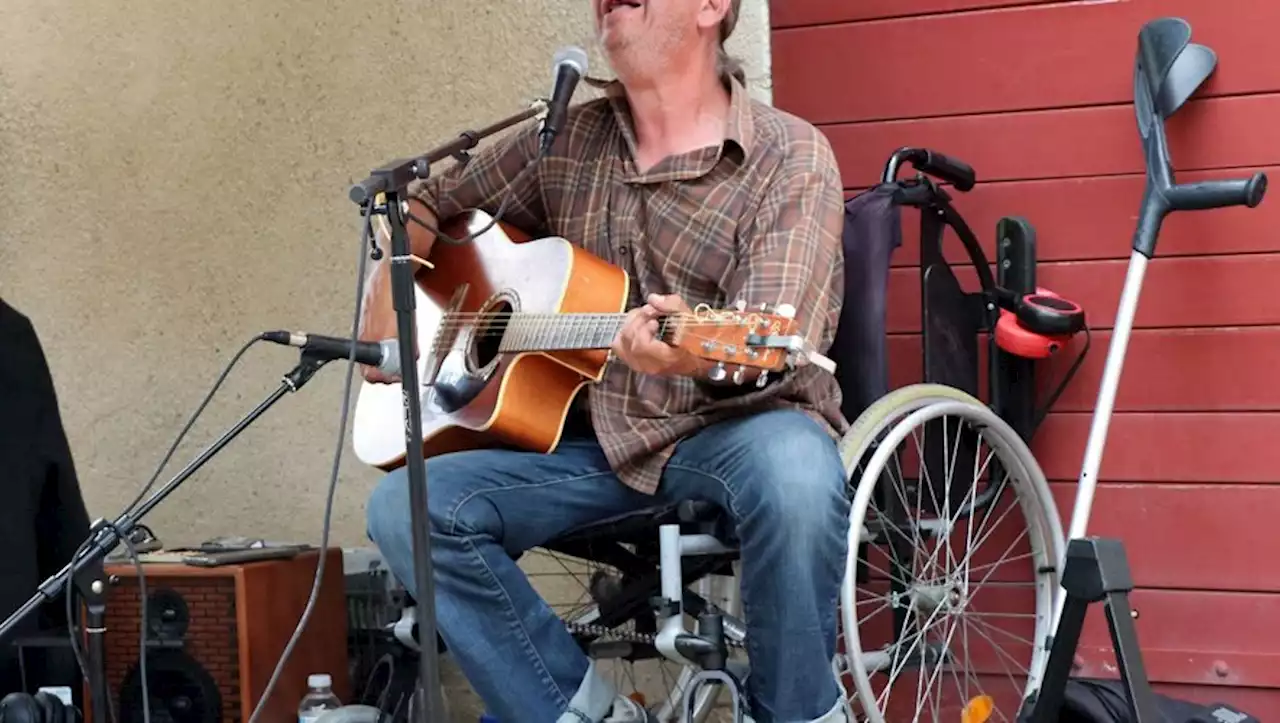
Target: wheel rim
940,591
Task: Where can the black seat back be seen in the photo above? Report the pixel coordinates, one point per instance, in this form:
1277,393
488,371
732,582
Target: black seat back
872,230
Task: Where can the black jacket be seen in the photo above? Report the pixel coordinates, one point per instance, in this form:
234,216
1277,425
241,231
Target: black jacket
42,513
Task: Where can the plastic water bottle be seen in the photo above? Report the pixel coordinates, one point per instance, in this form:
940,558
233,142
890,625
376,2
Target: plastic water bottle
319,699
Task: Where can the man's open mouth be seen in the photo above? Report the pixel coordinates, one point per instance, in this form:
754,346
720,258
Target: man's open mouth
611,5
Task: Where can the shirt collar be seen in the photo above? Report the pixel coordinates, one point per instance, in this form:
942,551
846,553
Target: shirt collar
739,133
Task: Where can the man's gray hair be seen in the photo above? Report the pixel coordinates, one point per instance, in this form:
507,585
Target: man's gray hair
726,64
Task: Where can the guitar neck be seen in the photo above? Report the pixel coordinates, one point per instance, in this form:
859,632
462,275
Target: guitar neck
563,332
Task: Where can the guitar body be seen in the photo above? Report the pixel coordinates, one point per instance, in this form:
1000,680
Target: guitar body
480,397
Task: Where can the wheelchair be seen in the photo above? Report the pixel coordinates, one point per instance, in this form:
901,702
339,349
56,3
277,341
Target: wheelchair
929,464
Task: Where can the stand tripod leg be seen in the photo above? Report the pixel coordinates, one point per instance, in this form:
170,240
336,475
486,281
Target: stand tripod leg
1096,570
1053,685
1124,639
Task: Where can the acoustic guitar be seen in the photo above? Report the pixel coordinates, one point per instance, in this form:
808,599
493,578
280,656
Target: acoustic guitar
510,328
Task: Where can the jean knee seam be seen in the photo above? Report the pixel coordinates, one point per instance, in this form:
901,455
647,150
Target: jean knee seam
525,640
733,496
453,513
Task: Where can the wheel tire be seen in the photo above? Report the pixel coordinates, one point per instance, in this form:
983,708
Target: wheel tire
884,426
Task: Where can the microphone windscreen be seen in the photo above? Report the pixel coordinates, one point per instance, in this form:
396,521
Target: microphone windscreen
572,55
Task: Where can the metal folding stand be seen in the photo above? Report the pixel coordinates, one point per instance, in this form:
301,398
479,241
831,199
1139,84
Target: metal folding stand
1096,570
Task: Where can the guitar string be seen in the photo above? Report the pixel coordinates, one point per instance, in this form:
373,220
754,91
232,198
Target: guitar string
454,321
696,337
587,330
702,311
565,321
718,314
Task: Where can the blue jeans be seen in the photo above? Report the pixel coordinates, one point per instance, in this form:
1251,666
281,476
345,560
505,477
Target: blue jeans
778,474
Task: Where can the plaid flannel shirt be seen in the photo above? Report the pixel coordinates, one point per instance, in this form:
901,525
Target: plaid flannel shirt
757,218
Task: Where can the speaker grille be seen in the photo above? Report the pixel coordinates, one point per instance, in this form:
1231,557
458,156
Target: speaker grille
198,618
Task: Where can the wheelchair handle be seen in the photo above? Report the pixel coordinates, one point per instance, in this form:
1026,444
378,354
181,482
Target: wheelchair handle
956,172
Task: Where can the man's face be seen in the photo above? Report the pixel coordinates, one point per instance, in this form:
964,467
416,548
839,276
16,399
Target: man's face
631,28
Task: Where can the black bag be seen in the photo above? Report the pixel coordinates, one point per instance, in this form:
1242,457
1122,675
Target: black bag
1105,701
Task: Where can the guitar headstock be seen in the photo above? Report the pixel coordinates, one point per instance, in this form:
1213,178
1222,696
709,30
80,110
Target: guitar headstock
767,339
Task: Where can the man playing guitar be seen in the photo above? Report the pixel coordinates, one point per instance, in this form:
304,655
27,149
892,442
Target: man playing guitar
703,196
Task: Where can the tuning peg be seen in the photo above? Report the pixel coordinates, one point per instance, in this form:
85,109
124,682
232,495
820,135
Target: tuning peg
764,307
717,373
762,380
786,311
739,374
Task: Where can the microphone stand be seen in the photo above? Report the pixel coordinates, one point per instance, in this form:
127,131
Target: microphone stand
391,181
86,570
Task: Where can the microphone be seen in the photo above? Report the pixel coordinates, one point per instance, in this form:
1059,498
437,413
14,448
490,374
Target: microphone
384,355
570,66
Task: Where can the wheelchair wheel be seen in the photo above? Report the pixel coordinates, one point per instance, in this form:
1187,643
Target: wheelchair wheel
952,573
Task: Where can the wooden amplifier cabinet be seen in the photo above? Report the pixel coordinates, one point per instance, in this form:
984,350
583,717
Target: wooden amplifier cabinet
217,634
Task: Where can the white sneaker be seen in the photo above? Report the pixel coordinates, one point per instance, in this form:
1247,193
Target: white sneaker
626,710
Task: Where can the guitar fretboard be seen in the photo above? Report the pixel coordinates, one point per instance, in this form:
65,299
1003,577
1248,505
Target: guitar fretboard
561,332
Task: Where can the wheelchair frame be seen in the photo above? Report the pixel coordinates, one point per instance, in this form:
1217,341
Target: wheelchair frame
694,539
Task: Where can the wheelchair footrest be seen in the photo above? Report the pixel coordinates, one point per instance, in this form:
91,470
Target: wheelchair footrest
714,677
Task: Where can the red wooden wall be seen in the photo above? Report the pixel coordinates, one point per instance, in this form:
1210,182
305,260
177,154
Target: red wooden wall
1037,96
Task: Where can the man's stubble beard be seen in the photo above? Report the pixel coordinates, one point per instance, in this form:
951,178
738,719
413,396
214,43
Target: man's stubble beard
640,58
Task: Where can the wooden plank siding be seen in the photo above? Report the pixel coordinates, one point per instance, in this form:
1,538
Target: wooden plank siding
1037,97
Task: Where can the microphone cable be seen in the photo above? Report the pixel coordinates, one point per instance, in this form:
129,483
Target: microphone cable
191,422
69,592
366,234
497,215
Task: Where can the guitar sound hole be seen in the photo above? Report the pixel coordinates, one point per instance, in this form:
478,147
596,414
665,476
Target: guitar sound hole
487,342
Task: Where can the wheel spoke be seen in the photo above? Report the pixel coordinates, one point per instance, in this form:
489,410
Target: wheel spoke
945,586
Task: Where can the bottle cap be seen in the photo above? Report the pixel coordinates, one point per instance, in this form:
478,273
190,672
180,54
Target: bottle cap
319,680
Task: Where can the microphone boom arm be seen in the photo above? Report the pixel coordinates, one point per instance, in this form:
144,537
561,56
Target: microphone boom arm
85,570
396,175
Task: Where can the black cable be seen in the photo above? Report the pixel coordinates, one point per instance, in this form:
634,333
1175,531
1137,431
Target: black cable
142,623
69,592
199,410
1066,379
497,216
381,704
333,479
365,235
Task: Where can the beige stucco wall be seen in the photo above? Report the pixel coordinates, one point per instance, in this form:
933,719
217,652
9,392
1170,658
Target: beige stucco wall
174,178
